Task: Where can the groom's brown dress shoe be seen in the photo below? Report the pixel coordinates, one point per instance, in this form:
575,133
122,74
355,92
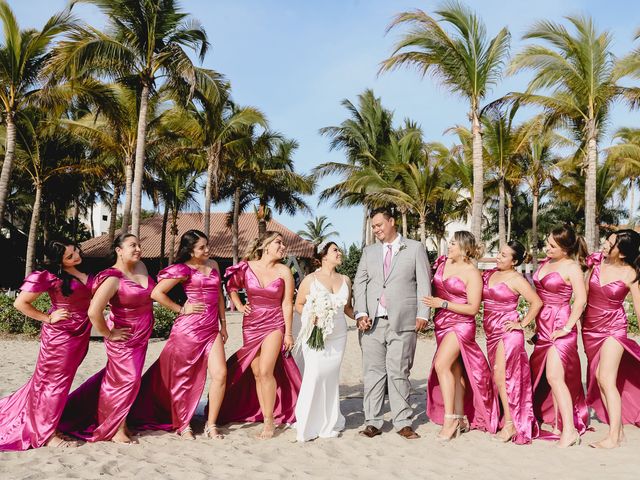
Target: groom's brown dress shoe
370,431
408,433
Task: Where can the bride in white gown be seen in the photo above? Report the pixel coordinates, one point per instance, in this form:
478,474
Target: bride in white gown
318,408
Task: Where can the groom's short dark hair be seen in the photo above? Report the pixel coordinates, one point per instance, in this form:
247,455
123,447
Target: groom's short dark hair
385,211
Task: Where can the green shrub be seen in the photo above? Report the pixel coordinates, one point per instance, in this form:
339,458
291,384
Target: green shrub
12,321
163,321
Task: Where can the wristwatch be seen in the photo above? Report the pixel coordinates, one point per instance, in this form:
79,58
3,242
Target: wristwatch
444,304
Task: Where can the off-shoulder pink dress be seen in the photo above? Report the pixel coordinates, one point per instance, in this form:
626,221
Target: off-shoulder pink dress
480,401
500,307
171,388
240,403
30,416
605,317
95,410
556,297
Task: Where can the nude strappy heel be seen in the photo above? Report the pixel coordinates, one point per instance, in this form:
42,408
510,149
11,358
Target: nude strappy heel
456,432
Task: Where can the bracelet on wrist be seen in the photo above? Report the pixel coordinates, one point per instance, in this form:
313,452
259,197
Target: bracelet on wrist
288,335
568,330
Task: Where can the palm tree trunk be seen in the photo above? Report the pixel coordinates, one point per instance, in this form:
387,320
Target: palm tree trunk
262,220
33,231
501,213
235,226
478,176
423,230
509,214
632,205
590,190
211,188
163,235
370,239
7,165
126,213
404,224
114,212
534,231
136,193
174,232
365,224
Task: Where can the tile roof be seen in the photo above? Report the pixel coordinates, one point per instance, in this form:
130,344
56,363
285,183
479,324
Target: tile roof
219,238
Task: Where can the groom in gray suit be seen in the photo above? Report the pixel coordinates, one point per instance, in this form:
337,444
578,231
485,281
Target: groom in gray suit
392,278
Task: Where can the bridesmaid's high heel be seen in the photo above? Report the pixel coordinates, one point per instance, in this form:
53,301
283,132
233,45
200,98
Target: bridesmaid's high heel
465,427
456,432
498,438
576,441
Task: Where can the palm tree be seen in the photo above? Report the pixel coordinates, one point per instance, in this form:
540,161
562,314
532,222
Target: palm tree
363,137
582,76
466,62
316,230
626,155
143,41
23,53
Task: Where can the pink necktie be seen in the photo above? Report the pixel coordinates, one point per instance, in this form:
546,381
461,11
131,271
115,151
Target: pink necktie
386,266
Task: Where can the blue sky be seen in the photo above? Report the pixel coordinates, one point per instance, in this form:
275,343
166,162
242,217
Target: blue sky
296,60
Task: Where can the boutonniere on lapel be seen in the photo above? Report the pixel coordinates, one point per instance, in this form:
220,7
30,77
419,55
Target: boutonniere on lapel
402,247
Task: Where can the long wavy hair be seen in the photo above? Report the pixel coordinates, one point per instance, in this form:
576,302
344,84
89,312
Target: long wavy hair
188,241
55,253
259,245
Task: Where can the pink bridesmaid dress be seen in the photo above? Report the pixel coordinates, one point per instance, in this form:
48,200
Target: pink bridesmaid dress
30,416
95,410
556,297
605,317
171,388
240,403
480,401
500,307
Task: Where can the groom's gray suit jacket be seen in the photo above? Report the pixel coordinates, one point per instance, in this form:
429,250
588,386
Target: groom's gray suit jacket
408,281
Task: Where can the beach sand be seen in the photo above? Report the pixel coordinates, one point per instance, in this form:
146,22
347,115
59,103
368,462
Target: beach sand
164,455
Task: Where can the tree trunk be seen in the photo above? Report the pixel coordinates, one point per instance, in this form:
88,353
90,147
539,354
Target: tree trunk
632,205
235,248
370,238
534,231
478,176
126,213
174,233
7,165
502,237
163,235
136,194
509,212
365,224
262,221
404,224
211,188
590,190
76,224
423,230
114,212
33,231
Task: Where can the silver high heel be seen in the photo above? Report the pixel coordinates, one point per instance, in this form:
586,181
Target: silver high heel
456,432
465,426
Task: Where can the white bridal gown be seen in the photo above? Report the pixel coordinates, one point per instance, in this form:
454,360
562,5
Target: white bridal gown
318,408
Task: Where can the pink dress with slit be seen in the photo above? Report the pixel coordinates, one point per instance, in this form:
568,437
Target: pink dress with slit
171,388
240,403
30,416
95,410
480,400
556,297
605,318
500,307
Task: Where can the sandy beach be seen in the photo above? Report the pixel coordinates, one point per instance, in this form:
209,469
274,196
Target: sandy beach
164,455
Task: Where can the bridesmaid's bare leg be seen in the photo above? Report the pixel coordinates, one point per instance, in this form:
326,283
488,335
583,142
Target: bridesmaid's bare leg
447,355
121,435
499,377
555,377
217,367
607,375
269,351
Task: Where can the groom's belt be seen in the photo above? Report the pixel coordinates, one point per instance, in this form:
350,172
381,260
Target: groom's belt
384,317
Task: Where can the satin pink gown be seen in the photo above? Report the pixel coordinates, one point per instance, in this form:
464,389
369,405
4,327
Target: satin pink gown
171,388
605,317
556,297
30,416
480,401
240,403
95,410
500,307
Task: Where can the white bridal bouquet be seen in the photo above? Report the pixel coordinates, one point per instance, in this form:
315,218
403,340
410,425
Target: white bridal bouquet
317,318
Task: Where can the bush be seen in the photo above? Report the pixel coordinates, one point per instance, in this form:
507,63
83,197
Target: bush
12,321
350,261
163,321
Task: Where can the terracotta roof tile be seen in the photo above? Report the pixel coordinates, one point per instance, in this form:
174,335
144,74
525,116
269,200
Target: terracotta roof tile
219,238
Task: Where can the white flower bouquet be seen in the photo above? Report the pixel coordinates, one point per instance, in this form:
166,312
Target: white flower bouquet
317,319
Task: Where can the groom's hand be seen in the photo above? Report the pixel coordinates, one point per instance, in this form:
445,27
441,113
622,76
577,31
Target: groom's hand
421,324
363,323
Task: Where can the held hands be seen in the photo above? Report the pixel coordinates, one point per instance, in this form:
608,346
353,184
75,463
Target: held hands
433,302
363,323
119,334
58,315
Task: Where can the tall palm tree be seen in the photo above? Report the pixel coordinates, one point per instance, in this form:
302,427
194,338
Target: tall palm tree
626,155
576,79
465,61
316,230
142,42
363,137
23,54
